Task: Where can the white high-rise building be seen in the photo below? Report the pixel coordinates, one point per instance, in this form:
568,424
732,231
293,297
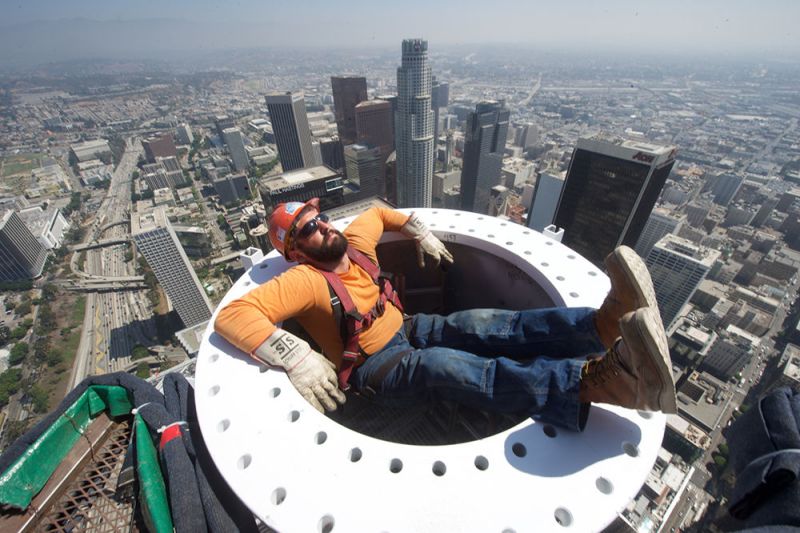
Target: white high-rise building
21,255
414,126
659,223
158,243
235,144
545,200
184,134
677,267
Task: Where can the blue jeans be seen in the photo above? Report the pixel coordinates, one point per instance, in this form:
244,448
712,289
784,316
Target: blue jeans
493,359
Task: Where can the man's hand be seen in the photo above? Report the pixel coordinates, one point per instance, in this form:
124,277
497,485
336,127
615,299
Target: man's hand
310,372
425,241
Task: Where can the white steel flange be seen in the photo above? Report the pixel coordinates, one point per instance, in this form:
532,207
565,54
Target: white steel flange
300,471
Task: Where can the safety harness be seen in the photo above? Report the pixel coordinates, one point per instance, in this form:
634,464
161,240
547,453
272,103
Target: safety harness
351,323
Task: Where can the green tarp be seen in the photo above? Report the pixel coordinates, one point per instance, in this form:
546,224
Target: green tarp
30,472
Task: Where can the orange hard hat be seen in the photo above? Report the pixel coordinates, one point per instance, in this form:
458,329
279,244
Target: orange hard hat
282,224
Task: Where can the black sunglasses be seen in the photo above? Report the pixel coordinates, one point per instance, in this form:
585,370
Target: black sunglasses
311,226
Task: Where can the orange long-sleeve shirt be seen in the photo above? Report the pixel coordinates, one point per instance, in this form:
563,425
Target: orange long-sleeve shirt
302,293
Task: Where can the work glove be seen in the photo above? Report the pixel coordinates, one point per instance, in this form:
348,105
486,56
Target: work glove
425,241
311,373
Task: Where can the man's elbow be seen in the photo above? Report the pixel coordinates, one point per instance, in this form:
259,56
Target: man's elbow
224,319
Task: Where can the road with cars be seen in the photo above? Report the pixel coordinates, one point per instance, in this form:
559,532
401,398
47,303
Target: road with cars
115,322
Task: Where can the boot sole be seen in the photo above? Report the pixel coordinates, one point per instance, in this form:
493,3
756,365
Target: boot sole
643,334
626,268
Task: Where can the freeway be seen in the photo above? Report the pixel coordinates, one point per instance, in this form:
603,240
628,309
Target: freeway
119,318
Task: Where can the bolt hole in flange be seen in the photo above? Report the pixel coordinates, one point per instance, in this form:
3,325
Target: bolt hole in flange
275,392
439,468
563,517
321,437
293,416
278,495
630,449
223,425
395,466
326,524
244,461
604,485
519,449
213,391
647,415
355,455
481,463
549,430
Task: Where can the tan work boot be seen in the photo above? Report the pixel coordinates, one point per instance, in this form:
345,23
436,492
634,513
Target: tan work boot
637,372
631,288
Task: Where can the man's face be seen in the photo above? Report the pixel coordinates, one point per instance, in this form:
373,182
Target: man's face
325,244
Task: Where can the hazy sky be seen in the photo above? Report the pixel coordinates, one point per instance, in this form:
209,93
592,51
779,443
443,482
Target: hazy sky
35,31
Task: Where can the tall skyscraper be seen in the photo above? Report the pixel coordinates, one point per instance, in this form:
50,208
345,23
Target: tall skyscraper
332,152
764,212
365,168
528,135
484,146
21,255
545,200
697,212
158,243
232,188
235,143
610,190
414,126
392,99
184,134
725,187
374,125
659,223
348,92
440,97
292,135
677,267
222,123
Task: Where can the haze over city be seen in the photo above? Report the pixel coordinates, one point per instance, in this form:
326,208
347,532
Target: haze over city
46,31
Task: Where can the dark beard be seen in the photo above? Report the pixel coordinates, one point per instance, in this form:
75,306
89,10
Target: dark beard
328,251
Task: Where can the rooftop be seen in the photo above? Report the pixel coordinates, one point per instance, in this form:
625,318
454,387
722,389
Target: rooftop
296,177
147,221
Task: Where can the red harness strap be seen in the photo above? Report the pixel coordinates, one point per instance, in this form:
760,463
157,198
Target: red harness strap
356,322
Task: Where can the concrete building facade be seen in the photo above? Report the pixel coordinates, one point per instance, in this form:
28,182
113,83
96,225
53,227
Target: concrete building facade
156,240
374,125
545,200
659,223
287,112
348,92
484,145
22,256
677,267
365,169
235,143
610,190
